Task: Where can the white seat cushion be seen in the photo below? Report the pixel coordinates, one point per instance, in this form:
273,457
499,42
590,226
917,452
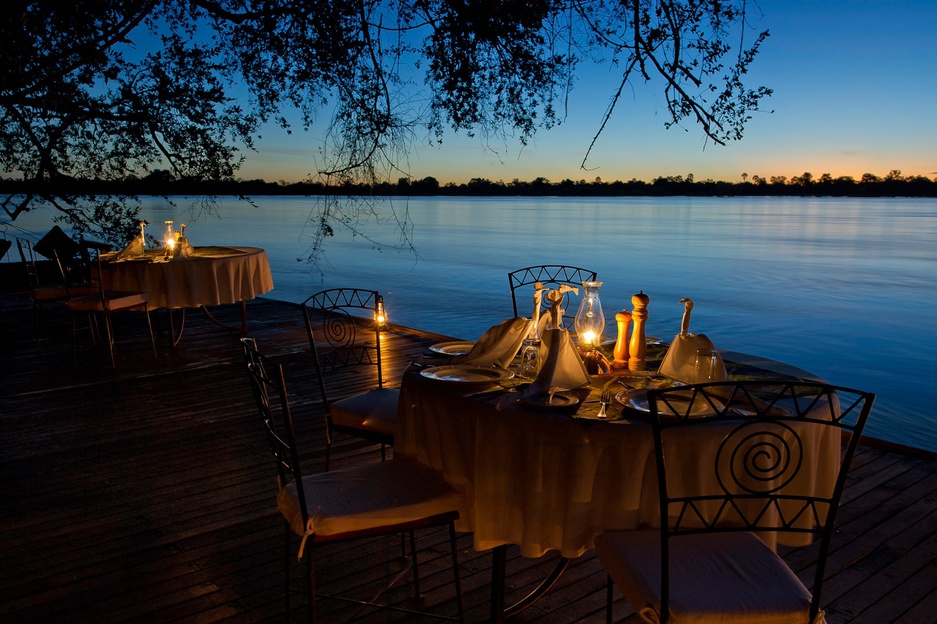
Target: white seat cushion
113,301
49,293
363,497
716,578
375,411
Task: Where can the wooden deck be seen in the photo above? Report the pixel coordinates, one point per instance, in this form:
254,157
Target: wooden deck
148,495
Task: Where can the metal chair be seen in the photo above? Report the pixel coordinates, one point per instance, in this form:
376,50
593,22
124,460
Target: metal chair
345,336
44,291
381,498
774,466
105,303
550,275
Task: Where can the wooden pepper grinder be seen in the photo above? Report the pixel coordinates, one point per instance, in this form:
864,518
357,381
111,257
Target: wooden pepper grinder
620,352
638,348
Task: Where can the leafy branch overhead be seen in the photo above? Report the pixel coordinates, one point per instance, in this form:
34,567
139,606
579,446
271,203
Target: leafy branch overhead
119,89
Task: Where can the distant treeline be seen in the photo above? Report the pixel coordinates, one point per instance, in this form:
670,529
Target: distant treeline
163,183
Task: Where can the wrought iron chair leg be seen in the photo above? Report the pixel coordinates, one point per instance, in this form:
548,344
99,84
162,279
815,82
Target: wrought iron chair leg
608,599
149,325
416,567
287,562
311,574
455,571
110,339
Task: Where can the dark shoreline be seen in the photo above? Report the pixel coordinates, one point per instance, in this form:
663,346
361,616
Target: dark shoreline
893,185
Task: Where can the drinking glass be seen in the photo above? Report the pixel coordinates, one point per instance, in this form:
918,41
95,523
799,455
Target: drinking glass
707,361
530,359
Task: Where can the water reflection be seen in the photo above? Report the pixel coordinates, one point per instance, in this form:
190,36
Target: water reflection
840,287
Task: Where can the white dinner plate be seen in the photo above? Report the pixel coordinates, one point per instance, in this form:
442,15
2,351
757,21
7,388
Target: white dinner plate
457,347
559,401
466,375
637,400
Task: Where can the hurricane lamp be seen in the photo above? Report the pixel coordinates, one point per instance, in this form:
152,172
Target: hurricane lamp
380,315
590,320
168,236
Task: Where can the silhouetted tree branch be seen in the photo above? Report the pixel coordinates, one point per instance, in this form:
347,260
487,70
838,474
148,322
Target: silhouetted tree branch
115,89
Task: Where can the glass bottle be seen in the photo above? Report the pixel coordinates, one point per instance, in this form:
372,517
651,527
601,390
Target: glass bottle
590,320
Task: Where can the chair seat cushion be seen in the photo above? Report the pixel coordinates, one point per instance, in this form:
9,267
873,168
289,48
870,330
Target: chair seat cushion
50,293
54,292
718,578
112,301
374,411
364,497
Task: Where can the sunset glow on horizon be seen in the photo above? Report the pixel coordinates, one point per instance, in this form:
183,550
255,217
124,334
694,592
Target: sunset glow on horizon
853,94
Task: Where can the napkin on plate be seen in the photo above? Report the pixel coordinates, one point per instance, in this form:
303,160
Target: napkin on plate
680,361
498,345
562,368
133,249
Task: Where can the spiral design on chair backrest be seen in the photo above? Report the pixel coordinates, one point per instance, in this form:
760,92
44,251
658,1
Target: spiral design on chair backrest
759,458
339,328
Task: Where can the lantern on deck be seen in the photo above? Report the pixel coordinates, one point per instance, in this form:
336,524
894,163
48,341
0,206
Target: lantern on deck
380,314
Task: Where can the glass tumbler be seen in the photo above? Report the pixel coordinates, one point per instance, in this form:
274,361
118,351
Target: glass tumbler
530,359
707,361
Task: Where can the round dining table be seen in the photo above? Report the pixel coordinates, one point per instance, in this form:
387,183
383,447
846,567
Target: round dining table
547,479
209,276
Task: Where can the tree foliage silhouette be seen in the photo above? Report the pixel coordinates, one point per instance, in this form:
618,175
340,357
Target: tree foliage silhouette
118,89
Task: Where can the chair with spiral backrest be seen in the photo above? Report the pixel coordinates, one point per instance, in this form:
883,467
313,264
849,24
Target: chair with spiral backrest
740,465
551,276
104,303
344,332
381,498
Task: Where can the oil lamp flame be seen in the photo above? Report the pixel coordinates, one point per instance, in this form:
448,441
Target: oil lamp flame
380,315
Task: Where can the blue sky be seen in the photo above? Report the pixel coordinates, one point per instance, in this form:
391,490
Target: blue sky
854,92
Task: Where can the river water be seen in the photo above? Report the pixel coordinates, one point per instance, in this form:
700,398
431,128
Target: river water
845,288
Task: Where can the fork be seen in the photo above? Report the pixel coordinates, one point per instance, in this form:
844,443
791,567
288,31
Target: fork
605,400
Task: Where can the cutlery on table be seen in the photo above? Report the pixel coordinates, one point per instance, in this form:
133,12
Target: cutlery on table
605,400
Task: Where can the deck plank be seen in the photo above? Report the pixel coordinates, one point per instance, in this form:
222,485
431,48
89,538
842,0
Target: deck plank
146,494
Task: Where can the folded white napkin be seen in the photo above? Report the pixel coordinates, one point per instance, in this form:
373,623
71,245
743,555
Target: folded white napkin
692,358
680,362
498,345
563,367
134,248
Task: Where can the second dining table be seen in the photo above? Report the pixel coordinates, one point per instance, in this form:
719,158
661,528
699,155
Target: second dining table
210,276
538,478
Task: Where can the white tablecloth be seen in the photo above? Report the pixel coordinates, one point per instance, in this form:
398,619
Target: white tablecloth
543,480
212,276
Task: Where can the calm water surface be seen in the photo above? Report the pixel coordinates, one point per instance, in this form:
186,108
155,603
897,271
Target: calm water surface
844,288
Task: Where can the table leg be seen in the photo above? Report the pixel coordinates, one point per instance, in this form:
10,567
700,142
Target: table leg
174,337
243,329
498,564
499,557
